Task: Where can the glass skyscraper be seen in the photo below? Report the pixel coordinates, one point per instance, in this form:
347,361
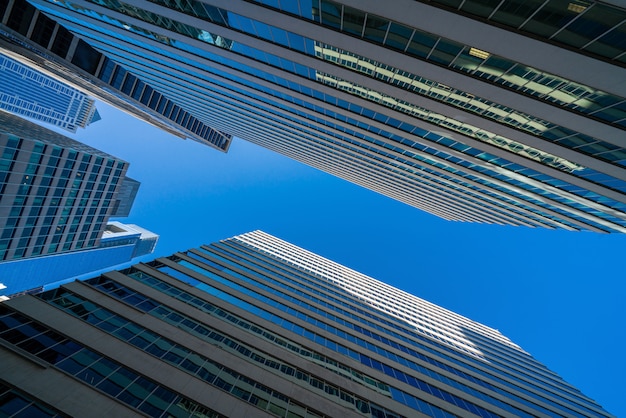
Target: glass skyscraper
56,194
27,92
508,112
38,44
254,326
56,198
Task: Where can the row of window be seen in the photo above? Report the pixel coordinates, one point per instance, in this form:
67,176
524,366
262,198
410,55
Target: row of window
582,219
284,323
592,26
217,254
196,363
95,370
127,83
481,64
558,386
417,84
515,203
389,371
16,404
88,59
601,225
403,397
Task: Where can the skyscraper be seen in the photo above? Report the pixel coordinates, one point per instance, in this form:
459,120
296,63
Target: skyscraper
56,198
41,45
29,93
509,113
56,194
255,326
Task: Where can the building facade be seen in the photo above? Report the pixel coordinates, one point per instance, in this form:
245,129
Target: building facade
255,326
125,197
38,42
29,93
56,194
120,244
512,113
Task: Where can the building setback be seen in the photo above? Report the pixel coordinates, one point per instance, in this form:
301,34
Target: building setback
255,326
27,92
501,113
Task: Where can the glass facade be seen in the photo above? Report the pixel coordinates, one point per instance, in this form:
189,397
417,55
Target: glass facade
260,323
56,43
266,74
590,26
57,193
29,93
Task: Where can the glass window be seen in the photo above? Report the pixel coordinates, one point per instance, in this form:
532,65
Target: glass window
398,36
612,44
552,17
482,8
375,28
591,24
421,44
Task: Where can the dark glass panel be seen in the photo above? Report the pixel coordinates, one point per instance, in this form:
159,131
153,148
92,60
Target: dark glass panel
331,14
353,20
154,100
610,45
42,32
482,8
11,403
107,70
145,97
398,36
551,17
515,12
3,9
445,52
62,42
20,17
593,23
421,44
129,82
118,77
86,57
375,28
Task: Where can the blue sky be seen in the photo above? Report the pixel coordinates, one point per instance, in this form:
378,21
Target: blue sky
557,294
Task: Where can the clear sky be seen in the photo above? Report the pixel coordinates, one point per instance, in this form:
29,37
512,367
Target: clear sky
558,294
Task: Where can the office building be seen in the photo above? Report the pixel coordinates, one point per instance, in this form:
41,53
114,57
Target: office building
120,244
125,197
56,198
502,112
56,194
29,93
39,43
254,326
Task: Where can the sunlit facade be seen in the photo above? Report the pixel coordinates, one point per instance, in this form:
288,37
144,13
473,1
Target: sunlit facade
472,118
253,326
29,93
